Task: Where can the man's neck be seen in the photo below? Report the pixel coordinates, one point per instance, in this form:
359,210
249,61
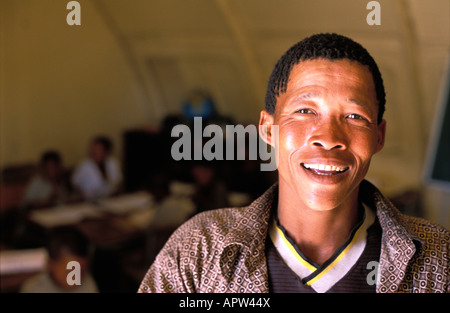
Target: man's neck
318,234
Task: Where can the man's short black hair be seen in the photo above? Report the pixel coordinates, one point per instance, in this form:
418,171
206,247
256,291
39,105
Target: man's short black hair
322,46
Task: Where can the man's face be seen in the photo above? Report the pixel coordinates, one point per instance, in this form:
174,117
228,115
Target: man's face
328,131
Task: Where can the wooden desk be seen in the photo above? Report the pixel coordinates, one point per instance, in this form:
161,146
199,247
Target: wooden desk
106,224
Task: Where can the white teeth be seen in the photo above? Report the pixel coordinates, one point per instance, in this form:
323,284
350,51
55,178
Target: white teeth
323,167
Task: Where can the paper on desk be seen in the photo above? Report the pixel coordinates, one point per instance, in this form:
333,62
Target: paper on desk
22,261
127,203
64,215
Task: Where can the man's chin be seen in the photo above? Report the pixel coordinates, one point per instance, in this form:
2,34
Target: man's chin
323,205
327,197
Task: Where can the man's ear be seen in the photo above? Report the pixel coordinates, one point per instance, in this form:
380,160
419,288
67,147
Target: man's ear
381,135
265,127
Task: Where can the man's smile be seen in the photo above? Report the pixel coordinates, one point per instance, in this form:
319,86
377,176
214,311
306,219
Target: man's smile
323,169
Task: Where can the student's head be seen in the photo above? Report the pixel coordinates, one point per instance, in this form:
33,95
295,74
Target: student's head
326,97
100,149
64,245
51,165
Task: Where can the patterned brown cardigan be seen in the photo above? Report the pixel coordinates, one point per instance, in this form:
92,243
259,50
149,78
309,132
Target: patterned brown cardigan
223,251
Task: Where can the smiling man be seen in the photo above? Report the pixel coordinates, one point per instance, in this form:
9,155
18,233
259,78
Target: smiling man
322,227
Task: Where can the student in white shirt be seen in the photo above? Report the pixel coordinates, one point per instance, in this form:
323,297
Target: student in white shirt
48,187
99,175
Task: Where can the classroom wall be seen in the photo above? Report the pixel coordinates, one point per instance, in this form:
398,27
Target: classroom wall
61,85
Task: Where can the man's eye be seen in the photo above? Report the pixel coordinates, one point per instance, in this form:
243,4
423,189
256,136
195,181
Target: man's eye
356,117
304,111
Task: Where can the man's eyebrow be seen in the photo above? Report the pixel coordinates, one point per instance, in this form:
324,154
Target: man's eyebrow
357,102
306,96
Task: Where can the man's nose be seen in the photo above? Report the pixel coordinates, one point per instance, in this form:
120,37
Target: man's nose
329,135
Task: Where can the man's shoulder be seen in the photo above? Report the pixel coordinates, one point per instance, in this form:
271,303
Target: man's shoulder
249,220
205,234
213,221
426,231
391,218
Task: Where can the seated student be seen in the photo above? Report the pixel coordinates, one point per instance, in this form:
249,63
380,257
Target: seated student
48,187
99,175
64,245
